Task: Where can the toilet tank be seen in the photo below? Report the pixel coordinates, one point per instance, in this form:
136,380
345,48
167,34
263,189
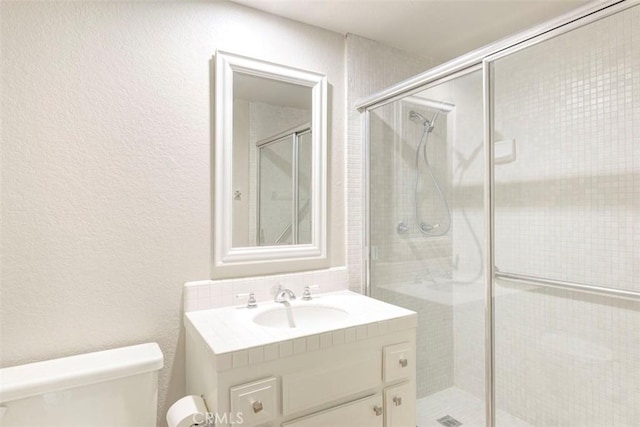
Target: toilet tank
111,388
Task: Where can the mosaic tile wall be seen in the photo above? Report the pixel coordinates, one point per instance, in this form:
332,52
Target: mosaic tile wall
404,264
371,67
564,359
568,208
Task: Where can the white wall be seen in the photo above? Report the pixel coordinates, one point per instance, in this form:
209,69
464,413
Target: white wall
106,166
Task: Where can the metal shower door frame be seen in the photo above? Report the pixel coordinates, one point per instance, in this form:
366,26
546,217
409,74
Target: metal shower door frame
484,57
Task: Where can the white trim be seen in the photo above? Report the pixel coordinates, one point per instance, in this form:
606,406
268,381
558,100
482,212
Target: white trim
443,106
489,249
224,254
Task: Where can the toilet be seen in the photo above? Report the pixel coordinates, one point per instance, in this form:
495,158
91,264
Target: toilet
111,388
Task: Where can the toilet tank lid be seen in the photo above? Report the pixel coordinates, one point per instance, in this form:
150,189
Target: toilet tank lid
19,382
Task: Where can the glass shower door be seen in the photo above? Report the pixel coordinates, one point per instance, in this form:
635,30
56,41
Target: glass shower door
567,228
426,238
276,192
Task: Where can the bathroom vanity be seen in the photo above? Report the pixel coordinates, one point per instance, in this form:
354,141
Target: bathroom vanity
348,361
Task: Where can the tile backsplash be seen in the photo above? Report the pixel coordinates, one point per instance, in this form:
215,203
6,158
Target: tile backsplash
207,294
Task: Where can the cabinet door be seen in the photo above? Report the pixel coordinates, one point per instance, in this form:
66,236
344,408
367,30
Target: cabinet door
400,405
399,362
310,388
367,412
256,401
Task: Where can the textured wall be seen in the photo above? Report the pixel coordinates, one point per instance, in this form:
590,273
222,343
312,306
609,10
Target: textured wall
106,166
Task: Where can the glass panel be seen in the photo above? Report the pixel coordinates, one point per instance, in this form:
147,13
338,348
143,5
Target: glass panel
276,192
427,234
304,188
567,198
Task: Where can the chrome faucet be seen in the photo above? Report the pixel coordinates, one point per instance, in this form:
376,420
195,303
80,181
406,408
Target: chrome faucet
284,295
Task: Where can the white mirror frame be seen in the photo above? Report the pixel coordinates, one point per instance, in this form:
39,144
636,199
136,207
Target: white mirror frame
225,256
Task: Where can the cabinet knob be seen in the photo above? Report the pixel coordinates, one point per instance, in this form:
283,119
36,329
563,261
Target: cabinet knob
257,406
378,410
403,363
397,401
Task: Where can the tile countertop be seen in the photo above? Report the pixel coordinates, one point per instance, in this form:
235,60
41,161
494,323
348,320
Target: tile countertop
231,329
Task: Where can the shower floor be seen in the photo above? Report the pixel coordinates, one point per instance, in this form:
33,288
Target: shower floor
463,406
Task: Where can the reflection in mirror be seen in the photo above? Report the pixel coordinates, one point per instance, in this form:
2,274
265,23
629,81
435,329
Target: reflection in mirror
284,189
270,182
276,193
270,166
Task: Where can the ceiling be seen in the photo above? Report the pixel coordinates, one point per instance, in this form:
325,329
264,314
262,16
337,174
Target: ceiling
440,29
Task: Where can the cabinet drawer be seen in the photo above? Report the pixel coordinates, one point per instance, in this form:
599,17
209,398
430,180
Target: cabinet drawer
400,405
257,401
307,389
399,361
367,412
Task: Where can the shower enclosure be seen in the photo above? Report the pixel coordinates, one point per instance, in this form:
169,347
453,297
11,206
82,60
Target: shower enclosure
284,188
506,213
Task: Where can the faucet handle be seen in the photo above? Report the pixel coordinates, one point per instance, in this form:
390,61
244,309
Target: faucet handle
306,295
251,301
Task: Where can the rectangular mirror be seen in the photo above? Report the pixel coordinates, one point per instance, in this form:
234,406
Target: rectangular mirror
270,163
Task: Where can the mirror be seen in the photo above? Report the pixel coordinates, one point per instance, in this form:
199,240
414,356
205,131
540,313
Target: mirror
270,163
283,190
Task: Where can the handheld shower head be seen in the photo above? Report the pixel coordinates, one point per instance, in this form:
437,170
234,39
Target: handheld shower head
416,117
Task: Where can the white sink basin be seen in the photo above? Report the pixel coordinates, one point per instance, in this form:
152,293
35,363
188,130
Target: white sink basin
235,328
301,316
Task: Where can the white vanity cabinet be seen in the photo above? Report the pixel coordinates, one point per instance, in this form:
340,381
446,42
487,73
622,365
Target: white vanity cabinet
400,405
367,412
362,375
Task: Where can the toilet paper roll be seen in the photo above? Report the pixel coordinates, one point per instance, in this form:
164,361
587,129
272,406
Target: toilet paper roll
186,412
